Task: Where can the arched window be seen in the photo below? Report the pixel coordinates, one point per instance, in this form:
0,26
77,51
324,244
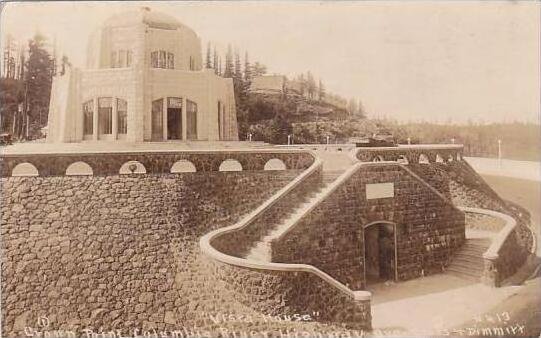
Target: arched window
275,164
88,117
183,166
132,167
230,165
24,169
105,115
423,159
79,168
122,116
402,159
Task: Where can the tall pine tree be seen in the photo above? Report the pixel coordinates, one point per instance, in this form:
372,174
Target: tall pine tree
38,79
247,69
208,64
229,68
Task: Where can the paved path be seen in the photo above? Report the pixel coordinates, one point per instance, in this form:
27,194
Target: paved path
428,305
528,170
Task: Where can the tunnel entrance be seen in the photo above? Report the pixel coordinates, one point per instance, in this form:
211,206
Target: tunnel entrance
379,252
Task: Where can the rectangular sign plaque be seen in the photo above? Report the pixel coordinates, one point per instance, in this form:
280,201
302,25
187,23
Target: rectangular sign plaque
379,190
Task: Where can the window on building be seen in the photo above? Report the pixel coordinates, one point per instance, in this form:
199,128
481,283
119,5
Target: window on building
192,63
154,59
157,119
128,58
122,115
88,117
170,60
114,58
121,58
105,115
162,59
191,120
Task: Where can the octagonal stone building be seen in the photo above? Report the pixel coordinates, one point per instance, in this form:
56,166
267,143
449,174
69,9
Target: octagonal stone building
144,81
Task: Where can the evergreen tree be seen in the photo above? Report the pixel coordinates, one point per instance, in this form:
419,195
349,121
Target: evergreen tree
352,106
302,84
247,69
360,110
208,64
229,68
38,79
238,69
259,69
215,61
310,85
321,91
65,64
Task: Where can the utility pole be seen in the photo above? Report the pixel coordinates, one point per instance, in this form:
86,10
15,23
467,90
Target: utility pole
500,153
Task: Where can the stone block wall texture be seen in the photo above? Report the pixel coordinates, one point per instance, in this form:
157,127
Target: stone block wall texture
105,252
277,292
330,237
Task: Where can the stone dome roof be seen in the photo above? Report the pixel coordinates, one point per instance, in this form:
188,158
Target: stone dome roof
144,15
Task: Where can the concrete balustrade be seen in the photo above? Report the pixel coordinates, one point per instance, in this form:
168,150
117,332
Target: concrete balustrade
419,153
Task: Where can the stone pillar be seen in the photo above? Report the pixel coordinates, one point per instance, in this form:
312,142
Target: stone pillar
95,120
490,272
183,115
361,318
164,118
115,118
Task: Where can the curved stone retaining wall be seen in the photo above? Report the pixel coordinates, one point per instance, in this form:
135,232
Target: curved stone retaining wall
109,163
104,252
506,253
284,292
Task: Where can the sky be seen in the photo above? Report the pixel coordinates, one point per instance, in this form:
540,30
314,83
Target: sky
406,60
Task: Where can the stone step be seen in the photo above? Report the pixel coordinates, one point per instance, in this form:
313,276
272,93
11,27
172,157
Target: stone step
464,274
260,252
473,268
475,260
473,251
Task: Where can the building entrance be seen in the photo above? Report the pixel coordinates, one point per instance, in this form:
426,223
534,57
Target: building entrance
174,118
379,252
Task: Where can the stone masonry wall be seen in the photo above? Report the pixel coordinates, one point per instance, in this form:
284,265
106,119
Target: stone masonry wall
330,237
104,252
286,292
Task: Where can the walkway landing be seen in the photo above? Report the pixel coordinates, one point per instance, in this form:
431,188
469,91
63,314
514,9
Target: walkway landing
431,304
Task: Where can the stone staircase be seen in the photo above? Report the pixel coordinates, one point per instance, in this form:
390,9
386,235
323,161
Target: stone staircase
260,251
468,262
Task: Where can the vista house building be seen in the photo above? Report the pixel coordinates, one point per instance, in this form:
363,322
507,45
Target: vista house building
143,81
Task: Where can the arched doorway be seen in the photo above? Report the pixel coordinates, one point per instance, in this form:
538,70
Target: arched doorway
380,253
